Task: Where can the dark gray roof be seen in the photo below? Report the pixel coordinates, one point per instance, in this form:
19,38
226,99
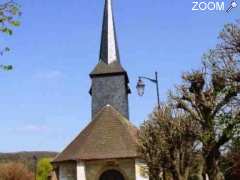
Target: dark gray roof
102,69
109,52
109,60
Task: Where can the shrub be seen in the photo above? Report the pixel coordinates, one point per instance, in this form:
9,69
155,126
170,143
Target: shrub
15,171
44,168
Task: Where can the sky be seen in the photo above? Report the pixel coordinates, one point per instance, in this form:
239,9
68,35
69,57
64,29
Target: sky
44,101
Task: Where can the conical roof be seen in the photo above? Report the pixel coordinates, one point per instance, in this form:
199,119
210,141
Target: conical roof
108,136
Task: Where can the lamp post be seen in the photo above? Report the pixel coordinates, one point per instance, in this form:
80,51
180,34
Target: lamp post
35,166
141,86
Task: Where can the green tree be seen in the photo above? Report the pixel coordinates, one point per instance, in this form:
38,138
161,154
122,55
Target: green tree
44,168
211,96
9,13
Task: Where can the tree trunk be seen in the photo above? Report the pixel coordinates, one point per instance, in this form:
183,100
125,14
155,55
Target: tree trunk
154,178
212,166
175,174
164,177
186,173
154,174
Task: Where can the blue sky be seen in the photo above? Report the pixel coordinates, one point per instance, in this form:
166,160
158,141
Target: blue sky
45,101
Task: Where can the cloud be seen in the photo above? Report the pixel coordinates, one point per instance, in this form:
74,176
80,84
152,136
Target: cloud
49,75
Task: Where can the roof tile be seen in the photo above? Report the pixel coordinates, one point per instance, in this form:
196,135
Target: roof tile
109,135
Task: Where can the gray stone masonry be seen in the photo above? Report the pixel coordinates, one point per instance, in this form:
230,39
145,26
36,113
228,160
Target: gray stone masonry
110,90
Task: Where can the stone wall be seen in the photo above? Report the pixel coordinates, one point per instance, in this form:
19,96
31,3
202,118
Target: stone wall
67,171
126,167
110,90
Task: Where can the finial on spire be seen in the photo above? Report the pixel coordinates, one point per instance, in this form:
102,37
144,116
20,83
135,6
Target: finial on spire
109,47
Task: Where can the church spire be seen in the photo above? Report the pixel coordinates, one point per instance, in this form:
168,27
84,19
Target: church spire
109,79
109,47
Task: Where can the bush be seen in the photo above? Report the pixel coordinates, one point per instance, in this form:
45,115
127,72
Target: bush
44,168
15,171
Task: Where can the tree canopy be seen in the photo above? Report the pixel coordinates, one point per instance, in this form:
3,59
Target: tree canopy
9,13
44,168
209,98
167,143
15,171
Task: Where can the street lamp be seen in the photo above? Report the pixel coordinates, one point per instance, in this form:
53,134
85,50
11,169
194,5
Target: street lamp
141,86
35,166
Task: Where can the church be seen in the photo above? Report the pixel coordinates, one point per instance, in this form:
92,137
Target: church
107,148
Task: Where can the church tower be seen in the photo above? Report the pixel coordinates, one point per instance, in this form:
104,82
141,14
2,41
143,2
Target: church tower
107,148
109,79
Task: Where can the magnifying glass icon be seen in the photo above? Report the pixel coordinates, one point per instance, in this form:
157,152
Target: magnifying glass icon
232,6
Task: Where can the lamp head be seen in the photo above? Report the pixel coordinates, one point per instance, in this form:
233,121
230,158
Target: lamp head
140,87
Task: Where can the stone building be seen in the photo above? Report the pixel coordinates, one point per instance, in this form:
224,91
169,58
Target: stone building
107,148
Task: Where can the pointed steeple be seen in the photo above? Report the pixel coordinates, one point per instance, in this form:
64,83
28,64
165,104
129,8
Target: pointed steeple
109,60
109,79
109,47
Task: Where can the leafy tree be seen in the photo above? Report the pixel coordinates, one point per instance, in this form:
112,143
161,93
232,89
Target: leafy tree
149,143
211,97
234,159
9,11
230,163
15,171
167,143
44,168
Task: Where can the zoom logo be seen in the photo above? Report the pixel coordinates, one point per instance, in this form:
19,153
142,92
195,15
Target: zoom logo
208,6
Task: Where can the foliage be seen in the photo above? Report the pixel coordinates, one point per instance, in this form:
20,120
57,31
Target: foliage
26,158
149,143
9,11
230,162
233,170
15,171
167,143
211,97
44,168
197,167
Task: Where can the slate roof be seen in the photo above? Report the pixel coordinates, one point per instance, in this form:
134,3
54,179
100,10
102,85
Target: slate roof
103,69
108,135
109,60
109,52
